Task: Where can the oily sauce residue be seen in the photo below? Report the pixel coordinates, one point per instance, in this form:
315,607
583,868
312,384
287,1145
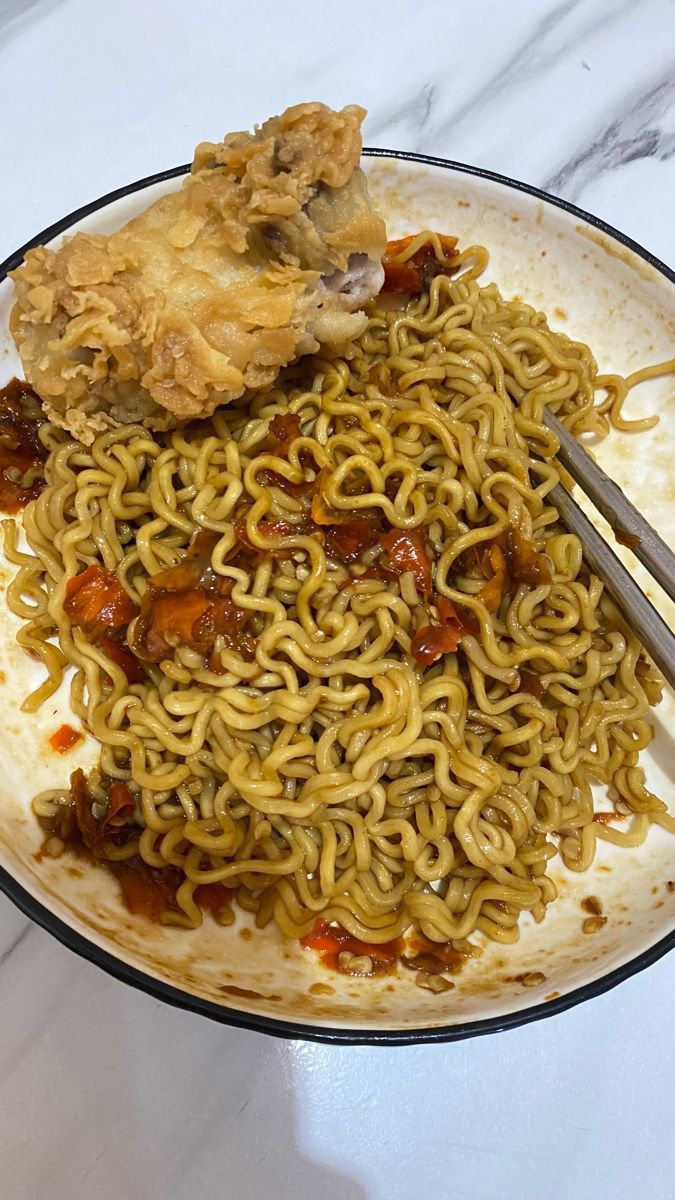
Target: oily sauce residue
625,538
416,953
22,455
146,891
606,818
594,922
528,979
231,989
332,940
433,958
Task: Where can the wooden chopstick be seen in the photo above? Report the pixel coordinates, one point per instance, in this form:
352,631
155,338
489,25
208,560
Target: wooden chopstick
640,615
629,526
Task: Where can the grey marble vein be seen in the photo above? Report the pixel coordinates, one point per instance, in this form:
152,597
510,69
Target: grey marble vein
15,15
545,43
634,133
533,55
415,109
13,945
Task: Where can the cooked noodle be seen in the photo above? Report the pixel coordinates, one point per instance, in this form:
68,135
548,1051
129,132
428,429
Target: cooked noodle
327,772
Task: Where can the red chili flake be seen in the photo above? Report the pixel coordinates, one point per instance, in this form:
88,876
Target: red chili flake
414,275
271,478
189,604
21,450
529,682
120,809
65,738
322,512
194,569
167,620
431,642
212,896
525,563
148,892
407,550
123,658
95,600
492,592
121,806
346,543
284,430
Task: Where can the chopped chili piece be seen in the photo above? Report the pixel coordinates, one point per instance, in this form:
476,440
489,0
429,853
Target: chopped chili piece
123,658
531,683
84,817
169,619
470,562
95,600
397,246
509,559
224,617
65,738
414,274
322,512
447,611
406,549
492,592
194,568
121,806
433,641
94,832
284,430
272,527
402,278
347,542
22,454
212,896
148,892
271,478
189,604
525,563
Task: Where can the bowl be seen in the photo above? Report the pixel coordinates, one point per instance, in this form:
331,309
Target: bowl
594,284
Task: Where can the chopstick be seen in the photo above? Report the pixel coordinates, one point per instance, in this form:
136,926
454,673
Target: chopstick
640,615
629,526
652,551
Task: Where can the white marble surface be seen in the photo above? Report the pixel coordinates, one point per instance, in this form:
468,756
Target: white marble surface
105,1094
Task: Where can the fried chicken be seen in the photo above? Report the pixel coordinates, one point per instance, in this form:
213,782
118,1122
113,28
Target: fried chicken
268,251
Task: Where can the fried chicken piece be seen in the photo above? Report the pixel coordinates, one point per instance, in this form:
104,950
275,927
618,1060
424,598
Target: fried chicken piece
269,250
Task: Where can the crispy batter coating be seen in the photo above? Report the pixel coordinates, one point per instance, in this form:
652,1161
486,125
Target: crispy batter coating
269,250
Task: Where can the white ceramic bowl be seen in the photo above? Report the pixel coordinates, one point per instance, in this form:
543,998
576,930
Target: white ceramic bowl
598,286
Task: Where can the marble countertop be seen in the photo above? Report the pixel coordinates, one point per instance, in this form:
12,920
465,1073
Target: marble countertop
105,1093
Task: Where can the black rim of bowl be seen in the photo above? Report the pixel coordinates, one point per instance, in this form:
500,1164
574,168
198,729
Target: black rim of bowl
80,944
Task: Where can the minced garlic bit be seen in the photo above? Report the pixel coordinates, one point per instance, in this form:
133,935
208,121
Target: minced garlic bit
355,964
433,983
593,924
